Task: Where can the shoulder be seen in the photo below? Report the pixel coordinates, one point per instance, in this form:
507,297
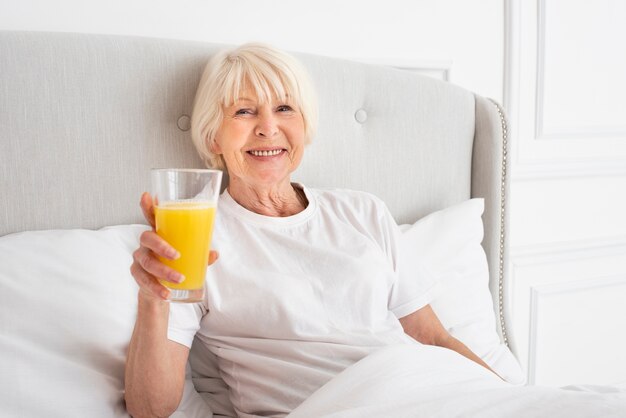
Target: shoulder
349,201
363,211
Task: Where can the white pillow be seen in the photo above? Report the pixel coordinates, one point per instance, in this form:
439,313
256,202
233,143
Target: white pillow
447,244
67,308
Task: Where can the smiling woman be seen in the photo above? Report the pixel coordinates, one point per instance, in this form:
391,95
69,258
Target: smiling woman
278,303
261,143
249,75
254,112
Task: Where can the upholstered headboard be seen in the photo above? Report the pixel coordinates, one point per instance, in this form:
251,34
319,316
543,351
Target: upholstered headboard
84,118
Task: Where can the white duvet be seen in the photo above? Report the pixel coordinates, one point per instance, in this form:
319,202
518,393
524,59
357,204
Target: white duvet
426,381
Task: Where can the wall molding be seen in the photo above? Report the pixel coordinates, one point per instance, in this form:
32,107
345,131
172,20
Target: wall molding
546,169
544,162
540,68
540,255
588,132
541,292
536,254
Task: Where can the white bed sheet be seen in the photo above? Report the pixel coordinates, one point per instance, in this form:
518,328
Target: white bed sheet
425,381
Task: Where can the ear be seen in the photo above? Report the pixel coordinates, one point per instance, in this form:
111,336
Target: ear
214,147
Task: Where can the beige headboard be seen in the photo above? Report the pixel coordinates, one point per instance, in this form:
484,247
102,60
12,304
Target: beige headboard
84,118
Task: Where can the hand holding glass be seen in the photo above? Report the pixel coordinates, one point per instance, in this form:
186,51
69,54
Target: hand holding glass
185,205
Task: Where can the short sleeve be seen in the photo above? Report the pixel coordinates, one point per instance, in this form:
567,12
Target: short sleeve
184,322
414,286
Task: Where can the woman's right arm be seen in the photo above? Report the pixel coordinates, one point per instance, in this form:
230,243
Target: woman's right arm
155,366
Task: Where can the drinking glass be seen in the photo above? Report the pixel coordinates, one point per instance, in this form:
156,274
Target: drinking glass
185,202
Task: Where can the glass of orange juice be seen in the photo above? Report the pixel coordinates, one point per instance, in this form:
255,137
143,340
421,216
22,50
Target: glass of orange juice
185,201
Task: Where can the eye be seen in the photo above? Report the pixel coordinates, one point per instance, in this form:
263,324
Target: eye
284,108
244,111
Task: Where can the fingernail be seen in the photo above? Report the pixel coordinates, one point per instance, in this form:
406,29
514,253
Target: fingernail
173,254
175,277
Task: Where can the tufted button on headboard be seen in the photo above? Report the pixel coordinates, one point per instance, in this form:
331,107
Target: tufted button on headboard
360,116
184,123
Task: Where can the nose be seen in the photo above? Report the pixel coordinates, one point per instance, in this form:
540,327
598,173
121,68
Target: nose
267,125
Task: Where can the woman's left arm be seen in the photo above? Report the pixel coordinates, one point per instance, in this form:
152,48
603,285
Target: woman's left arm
424,326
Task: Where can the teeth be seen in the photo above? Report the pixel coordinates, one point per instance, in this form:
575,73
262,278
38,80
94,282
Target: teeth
266,153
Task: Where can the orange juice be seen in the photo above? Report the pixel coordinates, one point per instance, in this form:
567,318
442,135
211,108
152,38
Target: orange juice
186,226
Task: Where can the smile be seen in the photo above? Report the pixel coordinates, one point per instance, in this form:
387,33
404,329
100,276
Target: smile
266,153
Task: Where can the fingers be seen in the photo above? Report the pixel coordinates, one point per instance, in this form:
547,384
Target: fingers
152,265
149,284
213,256
147,269
147,207
158,245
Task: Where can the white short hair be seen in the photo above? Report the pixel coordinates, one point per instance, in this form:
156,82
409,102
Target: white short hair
268,71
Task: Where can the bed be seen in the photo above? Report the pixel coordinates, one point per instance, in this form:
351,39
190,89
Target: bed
84,117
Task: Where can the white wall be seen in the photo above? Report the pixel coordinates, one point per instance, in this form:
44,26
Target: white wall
564,92
414,33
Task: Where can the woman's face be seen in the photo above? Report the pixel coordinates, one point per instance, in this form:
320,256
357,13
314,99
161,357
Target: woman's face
261,143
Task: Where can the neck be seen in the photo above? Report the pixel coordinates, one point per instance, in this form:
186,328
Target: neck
278,200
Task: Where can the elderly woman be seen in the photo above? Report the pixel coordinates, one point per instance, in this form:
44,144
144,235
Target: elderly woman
309,281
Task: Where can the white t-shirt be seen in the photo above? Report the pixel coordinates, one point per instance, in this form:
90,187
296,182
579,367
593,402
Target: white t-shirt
293,301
